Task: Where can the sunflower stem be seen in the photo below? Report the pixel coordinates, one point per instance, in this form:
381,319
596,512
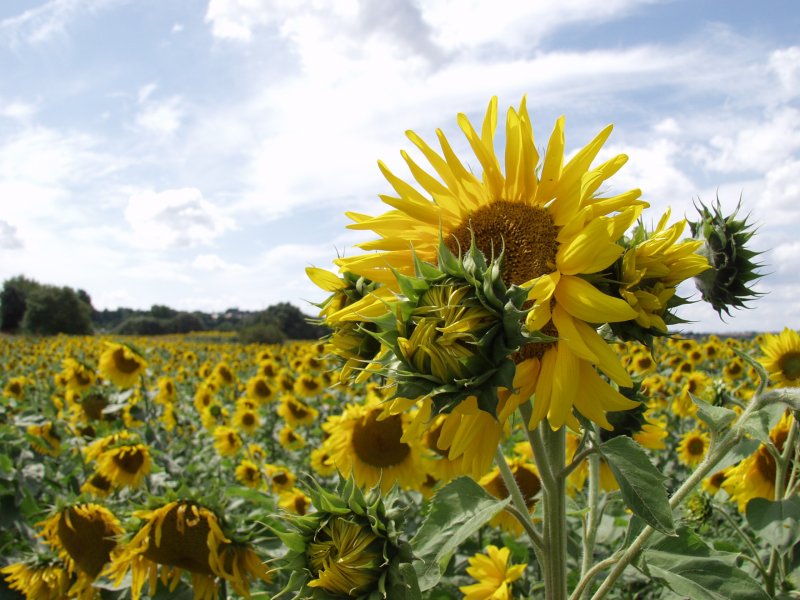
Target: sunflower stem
520,508
593,519
555,511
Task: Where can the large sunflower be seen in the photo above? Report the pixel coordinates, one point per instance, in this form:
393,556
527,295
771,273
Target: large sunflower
782,357
122,364
556,234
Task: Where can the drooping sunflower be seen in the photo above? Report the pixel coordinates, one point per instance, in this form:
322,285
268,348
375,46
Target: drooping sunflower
693,447
373,449
555,233
121,364
183,535
782,357
38,581
83,534
494,575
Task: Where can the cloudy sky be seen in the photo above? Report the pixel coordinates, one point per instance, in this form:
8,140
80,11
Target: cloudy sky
202,153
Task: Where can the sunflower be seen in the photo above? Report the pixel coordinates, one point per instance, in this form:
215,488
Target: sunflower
307,385
97,485
226,440
46,439
322,462
782,357
296,412
246,419
696,383
259,389
527,478
733,370
553,230
42,581
294,501
290,439
121,364
754,477
248,473
494,575
222,375
282,478
83,534
373,448
125,465
693,447
166,390
77,376
15,387
178,536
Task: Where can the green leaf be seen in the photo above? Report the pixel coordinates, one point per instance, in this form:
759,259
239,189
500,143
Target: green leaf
703,578
777,523
761,421
716,417
641,483
457,511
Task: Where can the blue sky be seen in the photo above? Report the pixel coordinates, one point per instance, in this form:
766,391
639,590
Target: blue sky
201,154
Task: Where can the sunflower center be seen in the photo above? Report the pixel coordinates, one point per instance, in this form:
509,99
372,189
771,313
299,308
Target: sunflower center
765,465
123,364
262,389
377,443
696,446
88,537
527,233
789,364
248,419
298,412
129,460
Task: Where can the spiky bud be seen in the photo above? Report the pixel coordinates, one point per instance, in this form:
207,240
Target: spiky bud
727,284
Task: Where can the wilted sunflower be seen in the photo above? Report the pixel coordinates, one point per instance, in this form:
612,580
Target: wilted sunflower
178,536
83,534
553,229
693,447
125,465
121,364
782,357
494,574
38,581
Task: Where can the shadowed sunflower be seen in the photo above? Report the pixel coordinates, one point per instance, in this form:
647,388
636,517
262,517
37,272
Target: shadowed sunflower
554,231
184,535
121,364
527,478
782,357
84,535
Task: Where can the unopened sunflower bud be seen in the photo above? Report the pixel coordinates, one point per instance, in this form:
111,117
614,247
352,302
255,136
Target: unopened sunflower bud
726,239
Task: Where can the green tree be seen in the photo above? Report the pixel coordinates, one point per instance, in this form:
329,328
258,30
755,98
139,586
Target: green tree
14,300
51,310
294,323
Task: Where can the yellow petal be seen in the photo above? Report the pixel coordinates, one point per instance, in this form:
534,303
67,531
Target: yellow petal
324,279
553,161
568,332
607,360
565,386
590,251
544,388
586,302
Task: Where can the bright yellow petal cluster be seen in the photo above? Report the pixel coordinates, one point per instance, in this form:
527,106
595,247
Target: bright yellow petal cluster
494,575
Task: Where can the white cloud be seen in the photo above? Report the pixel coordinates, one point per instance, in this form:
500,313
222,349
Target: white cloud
785,63
42,23
174,218
162,118
786,257
17,110
9,239
780,201
212,262
146,91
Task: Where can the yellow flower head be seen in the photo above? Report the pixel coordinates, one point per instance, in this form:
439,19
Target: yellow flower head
782,357
121,364
494,575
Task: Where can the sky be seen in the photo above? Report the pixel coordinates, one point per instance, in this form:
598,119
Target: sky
202,153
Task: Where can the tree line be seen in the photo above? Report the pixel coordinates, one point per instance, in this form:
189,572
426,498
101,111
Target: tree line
30,307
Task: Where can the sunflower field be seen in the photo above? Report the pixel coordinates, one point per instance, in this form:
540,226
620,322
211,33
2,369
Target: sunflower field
500,411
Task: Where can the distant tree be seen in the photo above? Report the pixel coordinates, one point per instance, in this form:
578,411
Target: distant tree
141,326
184,323
85,297
262,333
294,323
51,310
13,301
159,311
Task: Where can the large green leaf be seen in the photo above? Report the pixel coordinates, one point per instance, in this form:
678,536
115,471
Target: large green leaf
703,578
717,418
777,523
641,484
761,422
457,511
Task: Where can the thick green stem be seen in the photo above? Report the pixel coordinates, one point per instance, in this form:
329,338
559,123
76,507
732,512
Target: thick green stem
593,518
555,512
518,502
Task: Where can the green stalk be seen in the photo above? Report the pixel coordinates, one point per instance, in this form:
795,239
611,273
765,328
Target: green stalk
593,519
520,508
555,512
